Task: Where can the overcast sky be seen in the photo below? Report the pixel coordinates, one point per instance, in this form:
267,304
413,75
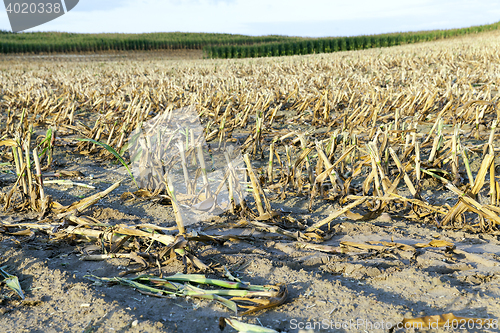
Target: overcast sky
263,17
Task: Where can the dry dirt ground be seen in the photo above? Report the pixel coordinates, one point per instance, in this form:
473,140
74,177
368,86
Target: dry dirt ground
353,291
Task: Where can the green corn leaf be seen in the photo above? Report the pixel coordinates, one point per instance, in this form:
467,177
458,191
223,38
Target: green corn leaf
115,154
12,282
142,287
200,293
199,278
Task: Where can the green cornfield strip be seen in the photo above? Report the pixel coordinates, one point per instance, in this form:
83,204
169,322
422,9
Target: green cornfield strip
49,42
215,45
333,44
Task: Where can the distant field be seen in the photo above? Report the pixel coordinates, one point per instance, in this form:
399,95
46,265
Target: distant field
334,44
215,45
60,42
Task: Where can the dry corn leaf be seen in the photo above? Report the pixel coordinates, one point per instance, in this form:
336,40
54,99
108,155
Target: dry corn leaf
268,216
319,247
362,246
139,260
435,243
336,214
8,143
91,233
366,217
142,193
27,232
65,173
86,220
197,263
460,207
125,230
275,229
280,298
401,246
83,204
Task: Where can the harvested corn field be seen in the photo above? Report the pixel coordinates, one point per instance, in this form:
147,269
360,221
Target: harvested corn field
366,196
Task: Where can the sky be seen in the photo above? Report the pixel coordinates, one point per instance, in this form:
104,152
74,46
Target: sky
312,18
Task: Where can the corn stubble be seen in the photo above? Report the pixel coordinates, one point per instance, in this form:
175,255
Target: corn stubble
370,132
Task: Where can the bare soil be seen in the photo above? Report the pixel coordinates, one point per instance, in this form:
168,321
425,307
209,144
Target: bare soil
360,288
